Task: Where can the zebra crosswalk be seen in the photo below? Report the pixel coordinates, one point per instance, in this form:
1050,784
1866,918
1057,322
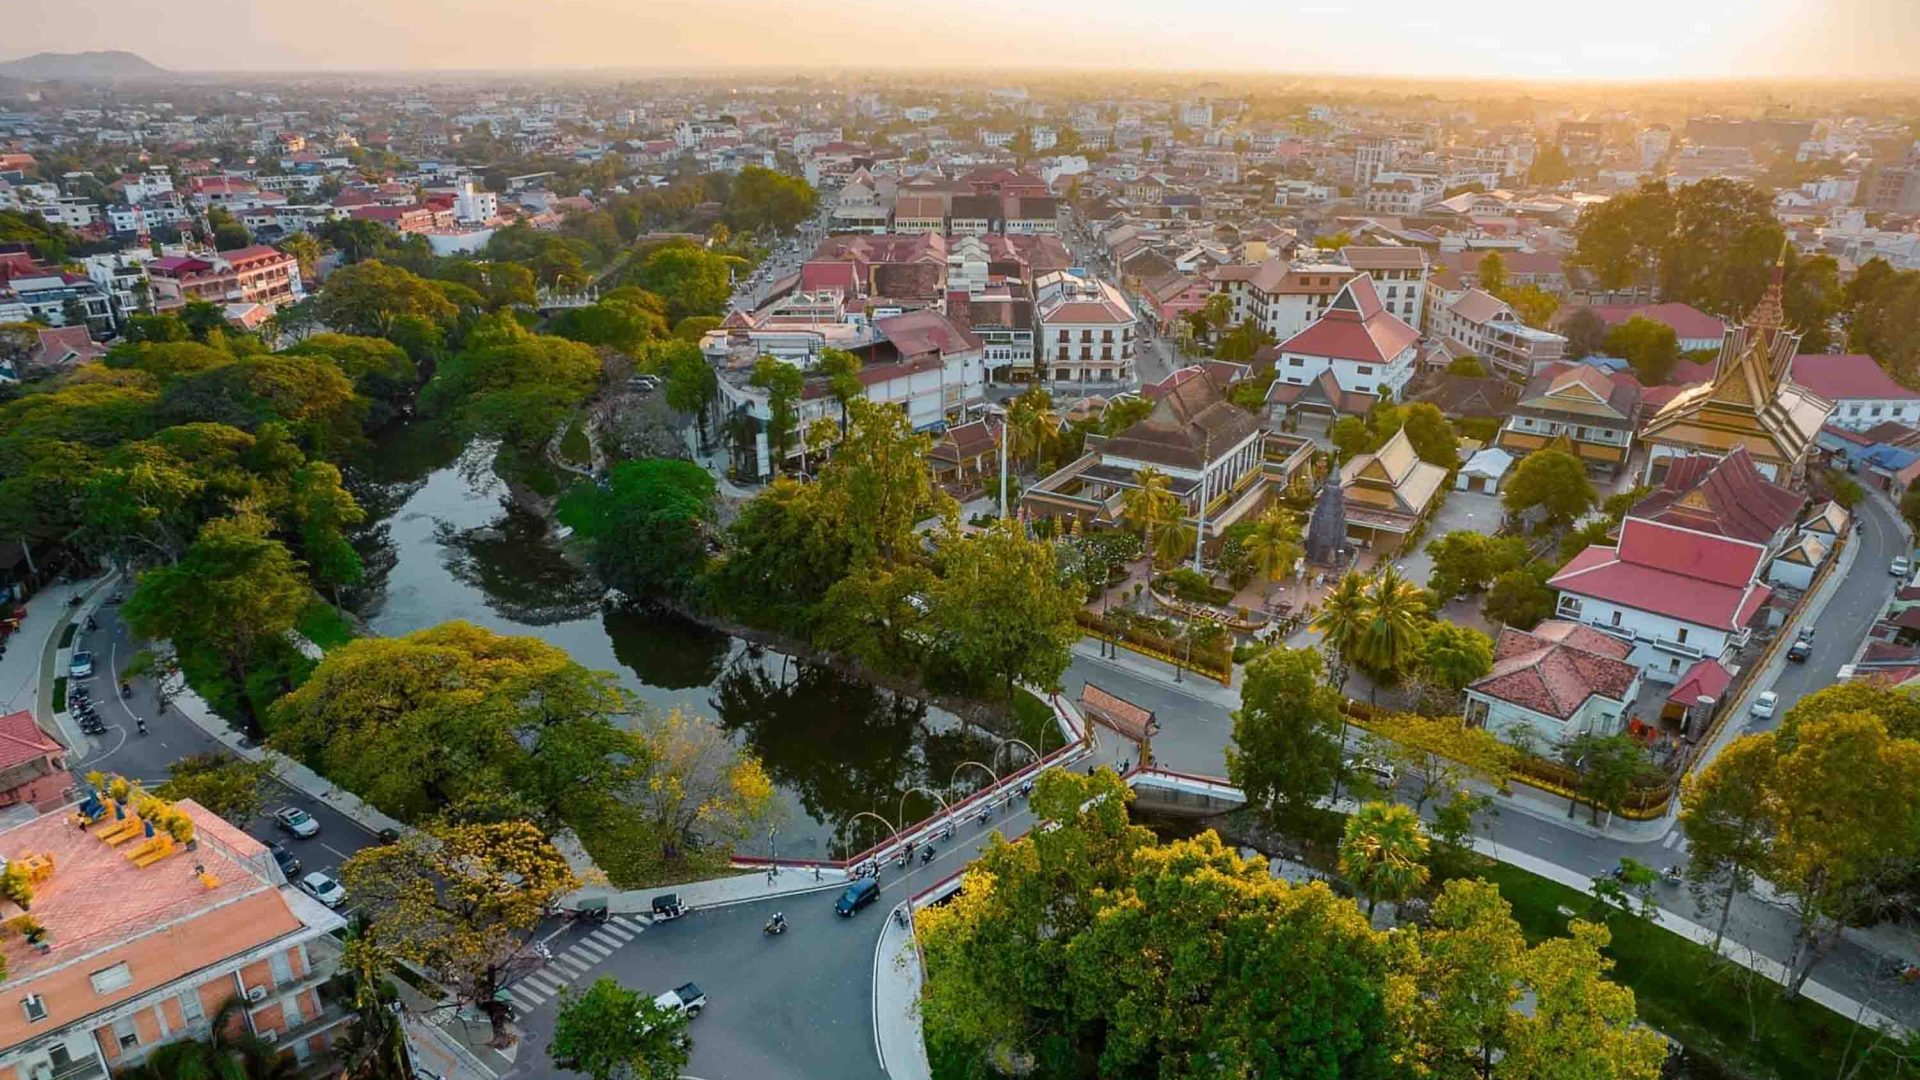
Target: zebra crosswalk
574,962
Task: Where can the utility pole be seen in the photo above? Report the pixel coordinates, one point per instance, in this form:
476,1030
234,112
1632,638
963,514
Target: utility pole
1206,470
1003,464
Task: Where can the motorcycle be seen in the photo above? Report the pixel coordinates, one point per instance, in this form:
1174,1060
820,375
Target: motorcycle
775,926
1672,875
926,855
142,725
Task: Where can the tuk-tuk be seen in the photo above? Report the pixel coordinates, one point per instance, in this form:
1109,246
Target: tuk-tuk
667,906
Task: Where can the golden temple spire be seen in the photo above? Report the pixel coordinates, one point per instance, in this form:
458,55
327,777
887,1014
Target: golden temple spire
1768,315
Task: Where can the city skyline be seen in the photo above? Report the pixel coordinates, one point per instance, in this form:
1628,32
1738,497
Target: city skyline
1642,40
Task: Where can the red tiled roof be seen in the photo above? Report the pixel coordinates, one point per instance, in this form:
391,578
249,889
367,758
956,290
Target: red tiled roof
1724,496
920,332
1704,580
1687,321
1706,678
1850,375
1554,669
21,740
1355,327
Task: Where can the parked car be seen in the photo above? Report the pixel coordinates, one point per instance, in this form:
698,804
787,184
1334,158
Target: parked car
1900,567
294,820
687,999
289,865
324,889
1799,650
1764,705
81,666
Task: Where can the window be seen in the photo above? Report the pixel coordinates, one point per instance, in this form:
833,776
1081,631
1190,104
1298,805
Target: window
1616,618
190,1008
282,970
1569,605
1682,637
127,1032
107,980
36,1008
1363,369
1295,361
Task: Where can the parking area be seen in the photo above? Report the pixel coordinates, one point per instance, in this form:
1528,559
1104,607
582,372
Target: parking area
1464,511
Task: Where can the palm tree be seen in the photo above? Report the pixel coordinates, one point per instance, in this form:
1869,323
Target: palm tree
1274,545
1381,853
842,370
1174,543
230,1052
1341,621
1032,423
1390,644
1150,508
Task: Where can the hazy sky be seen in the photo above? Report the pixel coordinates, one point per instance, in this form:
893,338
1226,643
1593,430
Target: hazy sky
1551,39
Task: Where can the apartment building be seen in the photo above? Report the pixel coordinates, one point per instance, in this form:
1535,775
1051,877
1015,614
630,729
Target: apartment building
249,275
143,930
1086,330
1399,277
1283,298
1480,324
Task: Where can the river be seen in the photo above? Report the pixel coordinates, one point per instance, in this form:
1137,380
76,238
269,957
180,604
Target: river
444,543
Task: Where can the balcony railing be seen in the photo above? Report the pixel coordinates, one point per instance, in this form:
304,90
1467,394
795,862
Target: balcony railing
86,1068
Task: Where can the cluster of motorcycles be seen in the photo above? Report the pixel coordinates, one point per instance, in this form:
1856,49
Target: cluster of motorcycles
80,703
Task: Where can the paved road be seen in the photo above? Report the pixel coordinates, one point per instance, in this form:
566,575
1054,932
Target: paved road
171,737
1196,726
799,1005
1860,598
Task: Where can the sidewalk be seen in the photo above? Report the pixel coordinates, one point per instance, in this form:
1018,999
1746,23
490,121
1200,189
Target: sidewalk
897,1035
289,771
1195,686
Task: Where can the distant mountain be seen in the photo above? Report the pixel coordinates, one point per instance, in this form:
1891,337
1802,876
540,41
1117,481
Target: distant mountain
105,66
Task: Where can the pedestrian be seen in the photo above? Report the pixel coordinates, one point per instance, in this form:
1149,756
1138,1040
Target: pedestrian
816,871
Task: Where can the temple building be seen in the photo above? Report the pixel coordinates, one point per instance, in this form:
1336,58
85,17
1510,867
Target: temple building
1218,462
1750,402
1387,494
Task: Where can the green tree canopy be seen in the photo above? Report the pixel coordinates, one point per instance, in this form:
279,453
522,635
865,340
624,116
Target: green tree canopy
1555,482
647,525
1286,751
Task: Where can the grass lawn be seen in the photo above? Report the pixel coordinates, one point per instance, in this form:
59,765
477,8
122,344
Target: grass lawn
1033,722
322,624
1717,1009
66,636
59,693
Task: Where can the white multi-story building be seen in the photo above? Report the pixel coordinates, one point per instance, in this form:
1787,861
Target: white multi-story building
1678,596
1369,349
1489,328
1399,275
1282,297
474,204
1086,330
1654,143
1863,394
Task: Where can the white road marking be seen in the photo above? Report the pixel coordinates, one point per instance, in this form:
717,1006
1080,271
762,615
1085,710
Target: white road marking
546,981
576,965
526,999
593,949
1671,838
617,931
606,940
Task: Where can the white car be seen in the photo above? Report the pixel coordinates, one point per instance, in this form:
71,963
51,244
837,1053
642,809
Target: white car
81,666
1764,705
1900,567
324,889
296,821
1378,773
